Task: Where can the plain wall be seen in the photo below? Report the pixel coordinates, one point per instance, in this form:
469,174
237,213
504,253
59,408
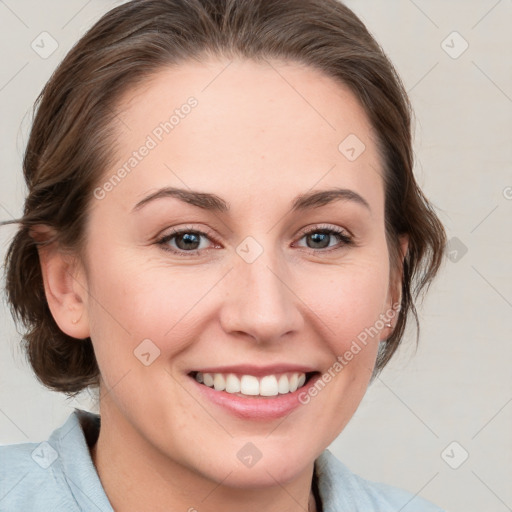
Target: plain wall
457,387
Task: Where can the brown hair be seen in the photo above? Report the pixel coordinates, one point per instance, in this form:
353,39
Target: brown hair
70,144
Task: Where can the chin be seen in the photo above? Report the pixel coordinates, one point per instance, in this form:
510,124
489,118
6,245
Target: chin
252,467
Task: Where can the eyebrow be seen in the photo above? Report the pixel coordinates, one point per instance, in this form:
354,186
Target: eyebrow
212,202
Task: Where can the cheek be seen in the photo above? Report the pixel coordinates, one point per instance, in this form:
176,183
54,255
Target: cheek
348,299
135,298
348,303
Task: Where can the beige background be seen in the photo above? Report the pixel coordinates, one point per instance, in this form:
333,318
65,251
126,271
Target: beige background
457,387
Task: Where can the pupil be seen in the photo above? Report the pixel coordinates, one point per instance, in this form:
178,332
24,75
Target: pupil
188,238
319,238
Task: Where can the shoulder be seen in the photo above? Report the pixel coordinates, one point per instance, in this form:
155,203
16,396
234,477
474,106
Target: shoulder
339,487
40,476
30,478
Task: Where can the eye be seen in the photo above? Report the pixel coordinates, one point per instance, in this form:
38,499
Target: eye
188,241
321,236
183,241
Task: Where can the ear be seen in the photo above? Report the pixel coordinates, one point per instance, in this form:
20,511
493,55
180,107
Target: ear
394,297
64,282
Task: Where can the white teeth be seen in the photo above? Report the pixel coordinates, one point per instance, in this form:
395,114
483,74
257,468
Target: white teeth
249,385
293,383
232,383
269,385
283,385
219,382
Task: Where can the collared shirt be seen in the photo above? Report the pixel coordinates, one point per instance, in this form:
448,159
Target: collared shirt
58,475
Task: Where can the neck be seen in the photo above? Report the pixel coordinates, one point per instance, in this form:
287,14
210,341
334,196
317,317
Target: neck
136,476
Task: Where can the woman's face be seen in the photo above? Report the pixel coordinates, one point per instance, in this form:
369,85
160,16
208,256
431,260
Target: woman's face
255,290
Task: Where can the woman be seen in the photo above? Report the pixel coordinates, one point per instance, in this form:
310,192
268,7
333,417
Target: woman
222,236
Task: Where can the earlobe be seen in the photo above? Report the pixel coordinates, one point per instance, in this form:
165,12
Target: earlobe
65,292
394,301
404,246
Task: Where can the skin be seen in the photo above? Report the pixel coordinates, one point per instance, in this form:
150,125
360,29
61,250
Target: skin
161,445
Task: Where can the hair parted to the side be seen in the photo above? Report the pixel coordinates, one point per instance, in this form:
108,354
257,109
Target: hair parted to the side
70,144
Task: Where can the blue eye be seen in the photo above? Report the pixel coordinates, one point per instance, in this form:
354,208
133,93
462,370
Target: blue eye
188,242
321,238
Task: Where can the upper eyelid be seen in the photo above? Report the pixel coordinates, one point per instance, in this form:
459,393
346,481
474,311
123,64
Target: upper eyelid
325,227
206,232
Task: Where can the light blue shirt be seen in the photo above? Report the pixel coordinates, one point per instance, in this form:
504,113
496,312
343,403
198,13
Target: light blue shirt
58,475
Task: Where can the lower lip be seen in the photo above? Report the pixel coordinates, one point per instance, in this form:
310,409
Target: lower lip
257,408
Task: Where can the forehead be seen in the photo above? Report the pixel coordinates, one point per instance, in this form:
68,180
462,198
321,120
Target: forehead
244,129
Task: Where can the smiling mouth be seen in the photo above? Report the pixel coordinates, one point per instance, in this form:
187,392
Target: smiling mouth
252,386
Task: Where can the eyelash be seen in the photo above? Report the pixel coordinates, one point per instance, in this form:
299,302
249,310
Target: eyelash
346,240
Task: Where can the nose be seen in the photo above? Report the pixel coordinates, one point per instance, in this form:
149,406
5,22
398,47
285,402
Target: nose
259,300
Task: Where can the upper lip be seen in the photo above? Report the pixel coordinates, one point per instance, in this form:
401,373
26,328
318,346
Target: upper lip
257,371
